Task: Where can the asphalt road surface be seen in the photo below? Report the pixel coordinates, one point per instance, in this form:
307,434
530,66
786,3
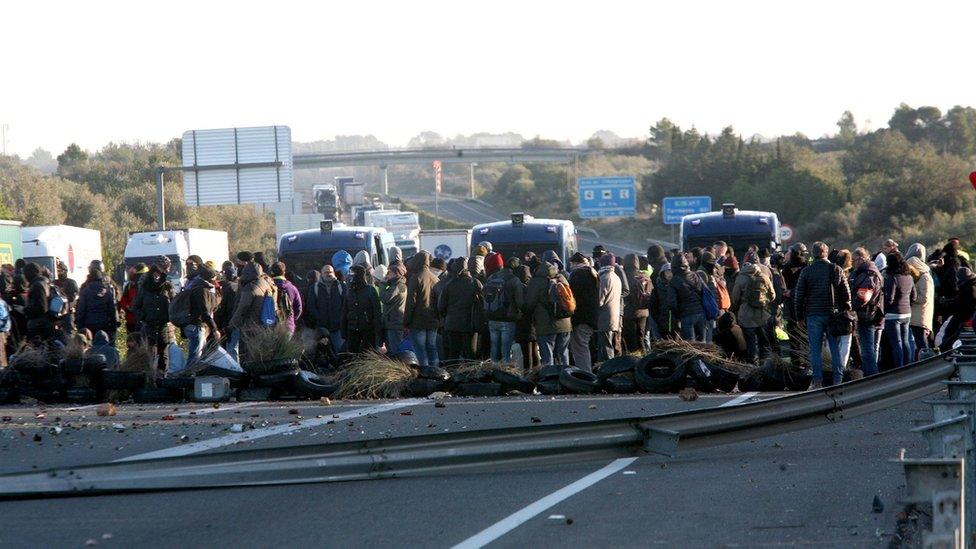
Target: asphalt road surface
812,487
472,212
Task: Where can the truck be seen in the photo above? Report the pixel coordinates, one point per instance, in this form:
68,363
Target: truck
177,245
11,241
524,233
446,243
326,200
312,249
351,192
405,227
77,247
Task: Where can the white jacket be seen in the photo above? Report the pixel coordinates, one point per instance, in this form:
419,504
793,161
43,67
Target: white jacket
924,307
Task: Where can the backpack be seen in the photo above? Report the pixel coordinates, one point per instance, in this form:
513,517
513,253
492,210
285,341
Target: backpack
179,309
4,317
285,306
562,300
496,304
57,305
269,313
756,295
722,294
642,294
709,304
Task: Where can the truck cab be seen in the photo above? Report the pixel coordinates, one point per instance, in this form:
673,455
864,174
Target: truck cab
312,249
523,233
145,247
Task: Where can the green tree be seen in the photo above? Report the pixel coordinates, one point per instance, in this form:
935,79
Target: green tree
846,130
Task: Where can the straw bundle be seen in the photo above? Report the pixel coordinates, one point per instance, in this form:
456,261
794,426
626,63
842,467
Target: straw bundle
373,375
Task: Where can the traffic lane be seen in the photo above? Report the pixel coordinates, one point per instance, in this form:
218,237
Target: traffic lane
810,487
171,430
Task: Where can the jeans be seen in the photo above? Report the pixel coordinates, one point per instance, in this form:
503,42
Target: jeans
693,327
921,338
844,346
579,346
393,340
196,337
425,346
900,339
757,344
233,345
501,336
554,347
867,337
817,332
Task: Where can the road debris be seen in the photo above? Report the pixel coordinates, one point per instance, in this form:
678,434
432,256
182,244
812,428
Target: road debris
326,401
237,428
55,430
877,505
37,437
688,394
536,419
118,427
107,409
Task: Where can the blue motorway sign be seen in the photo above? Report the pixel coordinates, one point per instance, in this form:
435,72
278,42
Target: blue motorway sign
607,196
676,207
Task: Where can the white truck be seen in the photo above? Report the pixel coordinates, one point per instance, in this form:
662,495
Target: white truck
446,243
77,247
405,227
177,245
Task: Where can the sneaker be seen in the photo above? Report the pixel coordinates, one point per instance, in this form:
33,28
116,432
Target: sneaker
816,384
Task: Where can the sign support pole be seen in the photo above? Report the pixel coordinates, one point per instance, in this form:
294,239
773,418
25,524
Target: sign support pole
160,199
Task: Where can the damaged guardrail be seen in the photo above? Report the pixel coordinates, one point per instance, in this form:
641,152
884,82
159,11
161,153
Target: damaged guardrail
665,434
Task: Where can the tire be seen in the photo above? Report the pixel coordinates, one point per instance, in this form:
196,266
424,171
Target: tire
513,381
752,382
549,373
124,381
311,385
81,395
269,367
255,394
175,383
407,357
549,387
471,377
90,364
579,381
216,371
722,379
798,379
480,389
660,373
620,384
434,373
149,395
773,378
424,387
282,380
701,374
618,365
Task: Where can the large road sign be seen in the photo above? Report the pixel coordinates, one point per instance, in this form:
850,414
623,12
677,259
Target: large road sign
607,196
676,207
237,166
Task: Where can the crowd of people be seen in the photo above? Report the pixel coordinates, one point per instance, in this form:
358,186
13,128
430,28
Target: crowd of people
530,309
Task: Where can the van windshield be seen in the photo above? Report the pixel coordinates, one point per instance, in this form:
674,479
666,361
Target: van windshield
300,263
518,249
47,261
175,268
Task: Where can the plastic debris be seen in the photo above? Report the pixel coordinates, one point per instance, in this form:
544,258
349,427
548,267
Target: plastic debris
688,394
118,427
55,430
237,428
326,401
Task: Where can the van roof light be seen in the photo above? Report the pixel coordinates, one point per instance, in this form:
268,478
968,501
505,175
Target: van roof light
518,219
325,225
728,209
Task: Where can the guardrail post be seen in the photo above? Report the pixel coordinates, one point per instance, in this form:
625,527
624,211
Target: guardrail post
660,441
961,390
939,482
949,438
966,370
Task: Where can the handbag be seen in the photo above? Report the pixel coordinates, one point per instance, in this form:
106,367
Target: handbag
841,323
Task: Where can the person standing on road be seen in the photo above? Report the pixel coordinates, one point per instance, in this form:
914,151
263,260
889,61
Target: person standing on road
608,301
254,287
524,328
134,275
362,316
460,304
39,323
504,297
325,307
923,309
69,289
97,309
899,294
752,295
552,333
686,300
635,305
152,309
867,297
842,258
656,259
585,284
820,291
203,304
420,312
289,298
393,297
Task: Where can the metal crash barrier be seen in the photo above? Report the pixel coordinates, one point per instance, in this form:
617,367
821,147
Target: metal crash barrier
665,434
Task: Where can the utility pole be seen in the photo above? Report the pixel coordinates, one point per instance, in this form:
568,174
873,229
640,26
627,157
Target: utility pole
473,164
386,181
4,128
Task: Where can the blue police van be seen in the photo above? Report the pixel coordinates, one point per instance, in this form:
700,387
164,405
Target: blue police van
523,233
312,249
737,228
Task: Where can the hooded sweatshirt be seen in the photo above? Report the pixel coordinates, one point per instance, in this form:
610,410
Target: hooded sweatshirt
420,312
923,308
101,346
341,262
459,300
749,316
608,318
396,255
640,287
655,258
537,301
686,297
96,305
254,286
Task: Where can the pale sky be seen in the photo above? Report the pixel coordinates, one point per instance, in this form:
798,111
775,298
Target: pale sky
100,71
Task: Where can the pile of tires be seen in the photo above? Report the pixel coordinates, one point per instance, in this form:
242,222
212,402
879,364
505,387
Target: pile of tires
617,375
775,375
547,379
660,373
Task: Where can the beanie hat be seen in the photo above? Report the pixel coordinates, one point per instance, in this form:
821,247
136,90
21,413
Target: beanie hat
608,260
379,273
578,258
493,263
246,257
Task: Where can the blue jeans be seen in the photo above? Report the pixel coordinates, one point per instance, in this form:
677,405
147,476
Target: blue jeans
900,339
393,340
501,334
554,347
233,345
425,346
867,337
693,327
817,331
195,341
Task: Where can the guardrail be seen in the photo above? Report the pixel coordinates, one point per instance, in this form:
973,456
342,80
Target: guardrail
664,434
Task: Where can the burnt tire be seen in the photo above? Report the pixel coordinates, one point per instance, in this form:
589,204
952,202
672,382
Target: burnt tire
620,384
123,381
513,381
549,387
310,385
660,373
480,389
798,379
90,365
723,379
425,387
434,373
281,381
579,381
701,373
549,373
619,365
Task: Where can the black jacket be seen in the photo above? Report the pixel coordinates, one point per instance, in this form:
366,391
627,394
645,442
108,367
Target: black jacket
459,302
152,299
361,310
97,305
585,284
203,303
638,284
228,301
812,295
686,295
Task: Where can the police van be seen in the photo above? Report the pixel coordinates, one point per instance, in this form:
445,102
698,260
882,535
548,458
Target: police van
523,233
737,228
312,249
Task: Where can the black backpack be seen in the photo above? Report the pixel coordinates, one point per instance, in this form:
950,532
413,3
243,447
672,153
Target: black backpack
496,303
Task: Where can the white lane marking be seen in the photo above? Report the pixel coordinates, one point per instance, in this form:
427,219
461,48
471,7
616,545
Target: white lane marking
739,399
212,410
521,516
234,438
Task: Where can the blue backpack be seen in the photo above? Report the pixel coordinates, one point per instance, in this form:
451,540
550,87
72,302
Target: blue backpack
4,317
709,303
269,311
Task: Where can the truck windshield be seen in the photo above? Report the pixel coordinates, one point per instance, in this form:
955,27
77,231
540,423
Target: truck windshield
175,268
47,261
